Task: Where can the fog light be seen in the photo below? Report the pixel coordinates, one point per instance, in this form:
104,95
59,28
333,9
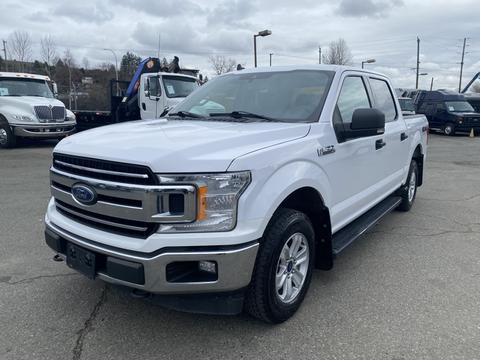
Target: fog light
207,266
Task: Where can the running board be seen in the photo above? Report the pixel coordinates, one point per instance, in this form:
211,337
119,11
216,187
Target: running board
358,227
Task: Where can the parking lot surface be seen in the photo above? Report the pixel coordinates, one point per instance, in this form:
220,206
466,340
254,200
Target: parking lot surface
408,289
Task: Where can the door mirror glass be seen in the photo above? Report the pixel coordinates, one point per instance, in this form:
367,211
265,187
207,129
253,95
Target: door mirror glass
366,122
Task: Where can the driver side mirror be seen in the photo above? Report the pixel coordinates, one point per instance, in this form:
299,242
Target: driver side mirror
366,122
147,88
55,89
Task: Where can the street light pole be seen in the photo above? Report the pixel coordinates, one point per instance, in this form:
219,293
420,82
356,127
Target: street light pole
116,65
262,33
369,61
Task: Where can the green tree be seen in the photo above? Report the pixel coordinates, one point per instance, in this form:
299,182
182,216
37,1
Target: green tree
128,65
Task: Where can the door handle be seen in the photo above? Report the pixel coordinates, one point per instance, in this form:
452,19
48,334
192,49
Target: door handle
380,144
403,136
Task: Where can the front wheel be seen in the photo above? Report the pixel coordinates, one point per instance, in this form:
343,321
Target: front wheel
283,269
7,138
449,129
408,192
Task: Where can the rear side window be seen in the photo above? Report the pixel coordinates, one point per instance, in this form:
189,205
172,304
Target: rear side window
352,96
384,99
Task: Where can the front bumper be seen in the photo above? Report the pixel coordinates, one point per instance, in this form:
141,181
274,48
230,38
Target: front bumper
44,131
234,264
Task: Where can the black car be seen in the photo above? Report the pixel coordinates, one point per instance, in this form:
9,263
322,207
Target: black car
447,111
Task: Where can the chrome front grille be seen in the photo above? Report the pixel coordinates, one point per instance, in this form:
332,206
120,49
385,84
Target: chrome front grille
129,200
104,170
50,113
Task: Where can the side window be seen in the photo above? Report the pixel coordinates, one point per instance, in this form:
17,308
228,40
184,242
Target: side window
441,107
352,96
430,109
154,86
384,99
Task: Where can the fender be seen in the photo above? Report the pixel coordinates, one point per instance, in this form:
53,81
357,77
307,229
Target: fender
416,141
269,195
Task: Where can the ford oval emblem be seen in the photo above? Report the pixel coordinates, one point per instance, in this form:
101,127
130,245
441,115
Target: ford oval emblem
84,194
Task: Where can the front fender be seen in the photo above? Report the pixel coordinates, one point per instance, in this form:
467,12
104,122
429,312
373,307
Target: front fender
265,196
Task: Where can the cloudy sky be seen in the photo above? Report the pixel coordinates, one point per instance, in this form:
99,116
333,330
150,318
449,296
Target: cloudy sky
193,29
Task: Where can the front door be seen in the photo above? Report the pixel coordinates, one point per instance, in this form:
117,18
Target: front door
355,169
150,97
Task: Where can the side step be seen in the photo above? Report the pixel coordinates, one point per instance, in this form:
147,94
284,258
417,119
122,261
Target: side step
358,227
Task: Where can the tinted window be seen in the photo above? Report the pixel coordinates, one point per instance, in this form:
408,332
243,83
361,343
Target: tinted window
352,96
291,96
383,99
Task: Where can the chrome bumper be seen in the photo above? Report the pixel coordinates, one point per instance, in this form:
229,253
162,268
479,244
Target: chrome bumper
44,130
234,265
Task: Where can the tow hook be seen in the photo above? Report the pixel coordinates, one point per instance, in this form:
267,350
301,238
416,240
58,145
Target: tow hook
57,258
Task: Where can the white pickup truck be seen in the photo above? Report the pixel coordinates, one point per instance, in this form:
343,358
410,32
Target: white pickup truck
28,109
233,199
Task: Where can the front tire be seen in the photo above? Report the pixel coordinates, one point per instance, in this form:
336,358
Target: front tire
283,269
449,129
7,138
408,192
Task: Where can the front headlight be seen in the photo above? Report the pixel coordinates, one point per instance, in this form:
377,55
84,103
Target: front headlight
23,118
217,199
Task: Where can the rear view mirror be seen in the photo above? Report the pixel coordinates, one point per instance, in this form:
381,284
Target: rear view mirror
366,122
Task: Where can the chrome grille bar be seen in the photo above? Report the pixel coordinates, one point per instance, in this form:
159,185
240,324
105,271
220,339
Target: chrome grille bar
101,221
100,171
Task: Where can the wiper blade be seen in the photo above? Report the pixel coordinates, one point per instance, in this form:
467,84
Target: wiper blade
187,114
243,114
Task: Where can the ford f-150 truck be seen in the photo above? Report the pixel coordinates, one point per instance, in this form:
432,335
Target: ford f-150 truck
28,109
233,199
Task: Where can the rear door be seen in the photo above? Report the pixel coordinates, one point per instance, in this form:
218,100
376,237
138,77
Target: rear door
397,140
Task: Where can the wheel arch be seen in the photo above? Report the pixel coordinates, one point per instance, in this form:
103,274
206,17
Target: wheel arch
418,156
309,201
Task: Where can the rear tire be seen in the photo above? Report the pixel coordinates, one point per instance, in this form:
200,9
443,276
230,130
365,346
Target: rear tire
408,192
7,138
449,129
283,269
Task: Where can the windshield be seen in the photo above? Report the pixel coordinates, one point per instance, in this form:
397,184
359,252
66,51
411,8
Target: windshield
406,104
178,86
24,87
290,96
459,106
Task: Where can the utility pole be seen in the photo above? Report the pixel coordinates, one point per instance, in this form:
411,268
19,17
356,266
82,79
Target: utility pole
431,84
319,55
271,58
461,65
5,53
418,62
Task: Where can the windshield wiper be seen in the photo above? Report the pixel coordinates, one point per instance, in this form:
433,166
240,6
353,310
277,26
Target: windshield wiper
243,114
187,114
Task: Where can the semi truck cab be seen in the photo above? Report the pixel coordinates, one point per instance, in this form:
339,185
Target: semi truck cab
28,109
162,91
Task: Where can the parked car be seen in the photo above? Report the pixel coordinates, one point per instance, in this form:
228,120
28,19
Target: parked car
407,106
28,109
232,200
447,111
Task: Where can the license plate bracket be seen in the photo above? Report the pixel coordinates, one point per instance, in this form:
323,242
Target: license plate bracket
81,260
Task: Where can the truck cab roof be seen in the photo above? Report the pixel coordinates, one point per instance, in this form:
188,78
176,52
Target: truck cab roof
439,95
5,74
335,68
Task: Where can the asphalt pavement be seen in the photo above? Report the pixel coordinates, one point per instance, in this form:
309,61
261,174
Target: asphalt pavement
408,289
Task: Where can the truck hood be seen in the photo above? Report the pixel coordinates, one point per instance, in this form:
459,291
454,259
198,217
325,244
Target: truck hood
23,105
176,146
